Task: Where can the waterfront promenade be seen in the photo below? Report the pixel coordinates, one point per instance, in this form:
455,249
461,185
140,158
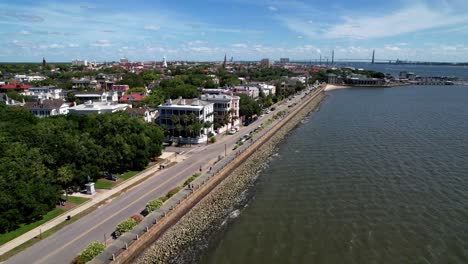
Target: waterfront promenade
66,243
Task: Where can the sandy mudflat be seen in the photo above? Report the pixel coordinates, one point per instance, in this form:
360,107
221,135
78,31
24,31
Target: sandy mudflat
331,87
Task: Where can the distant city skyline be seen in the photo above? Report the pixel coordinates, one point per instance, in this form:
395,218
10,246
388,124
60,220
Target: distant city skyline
421,30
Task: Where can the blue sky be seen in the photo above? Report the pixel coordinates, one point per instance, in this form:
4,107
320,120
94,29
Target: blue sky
245,29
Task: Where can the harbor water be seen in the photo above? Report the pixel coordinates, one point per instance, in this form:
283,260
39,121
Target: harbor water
377,175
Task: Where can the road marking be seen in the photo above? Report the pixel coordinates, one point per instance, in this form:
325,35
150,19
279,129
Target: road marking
41,260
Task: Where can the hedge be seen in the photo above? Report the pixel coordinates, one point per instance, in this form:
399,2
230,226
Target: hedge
90,252
153,205
126,226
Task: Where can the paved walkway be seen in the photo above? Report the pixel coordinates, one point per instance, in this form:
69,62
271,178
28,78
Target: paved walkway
96,199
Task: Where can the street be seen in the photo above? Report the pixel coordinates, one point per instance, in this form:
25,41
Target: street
66,243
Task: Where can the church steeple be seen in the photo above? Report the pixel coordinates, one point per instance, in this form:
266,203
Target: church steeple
224,62
44,63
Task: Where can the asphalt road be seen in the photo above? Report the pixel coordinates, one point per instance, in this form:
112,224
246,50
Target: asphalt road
66,243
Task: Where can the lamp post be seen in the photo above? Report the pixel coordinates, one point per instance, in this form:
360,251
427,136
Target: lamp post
180,144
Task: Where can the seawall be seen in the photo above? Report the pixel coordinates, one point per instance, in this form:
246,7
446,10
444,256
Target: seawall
197,219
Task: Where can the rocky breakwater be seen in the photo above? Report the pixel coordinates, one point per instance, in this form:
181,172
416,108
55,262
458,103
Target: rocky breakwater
183,242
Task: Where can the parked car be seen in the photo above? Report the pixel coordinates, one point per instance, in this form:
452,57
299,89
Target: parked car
110,176
232,131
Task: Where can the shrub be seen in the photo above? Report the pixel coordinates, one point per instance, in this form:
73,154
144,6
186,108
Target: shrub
126,226
192,178
137,217
189,180
212,139
153,205
164,198
172,192
210,134
90,252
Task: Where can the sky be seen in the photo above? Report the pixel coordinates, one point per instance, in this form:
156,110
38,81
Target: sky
60,31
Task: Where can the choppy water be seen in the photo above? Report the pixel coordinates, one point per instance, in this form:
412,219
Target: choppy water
376,176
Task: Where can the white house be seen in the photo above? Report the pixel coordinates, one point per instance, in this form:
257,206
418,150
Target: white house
267,89
28,78
45,108
148,114
224,106
180,107
97,96
90,107
44,92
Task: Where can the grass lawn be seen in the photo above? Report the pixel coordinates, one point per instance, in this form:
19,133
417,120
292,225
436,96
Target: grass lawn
103,184
127,175
77,200
25,228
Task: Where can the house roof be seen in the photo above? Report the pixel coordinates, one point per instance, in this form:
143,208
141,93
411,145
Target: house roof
14,85
136,97
45,104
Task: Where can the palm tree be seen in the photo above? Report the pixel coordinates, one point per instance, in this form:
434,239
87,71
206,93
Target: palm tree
193,118
189,129
175,121
185,119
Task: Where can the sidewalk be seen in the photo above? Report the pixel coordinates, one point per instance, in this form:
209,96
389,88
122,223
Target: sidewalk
97,198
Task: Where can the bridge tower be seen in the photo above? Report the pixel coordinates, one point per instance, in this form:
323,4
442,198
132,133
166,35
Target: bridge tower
373,56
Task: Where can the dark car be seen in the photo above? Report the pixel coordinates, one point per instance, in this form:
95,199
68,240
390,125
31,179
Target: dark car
110,176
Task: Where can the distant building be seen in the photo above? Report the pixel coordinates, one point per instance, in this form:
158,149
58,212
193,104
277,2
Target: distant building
77,62
46,108
267,89
122,88
164,63
97,96
124,60
44,92
80,83
332,78
251,91
362,80
132,98
29,78
180,107
90,107
284,60
13,86
265,63
148,114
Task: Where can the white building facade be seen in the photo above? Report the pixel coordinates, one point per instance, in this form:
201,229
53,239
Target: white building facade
90,107
201,110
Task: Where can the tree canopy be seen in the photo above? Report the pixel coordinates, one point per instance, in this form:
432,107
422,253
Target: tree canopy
41,157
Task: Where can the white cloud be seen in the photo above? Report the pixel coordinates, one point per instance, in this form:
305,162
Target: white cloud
300,37
73,45
196,42
240,45
102,43
152,27
273,8
392,48
51,46
24,32
411,19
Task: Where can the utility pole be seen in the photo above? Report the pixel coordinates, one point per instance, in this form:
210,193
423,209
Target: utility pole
373,56
333,57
